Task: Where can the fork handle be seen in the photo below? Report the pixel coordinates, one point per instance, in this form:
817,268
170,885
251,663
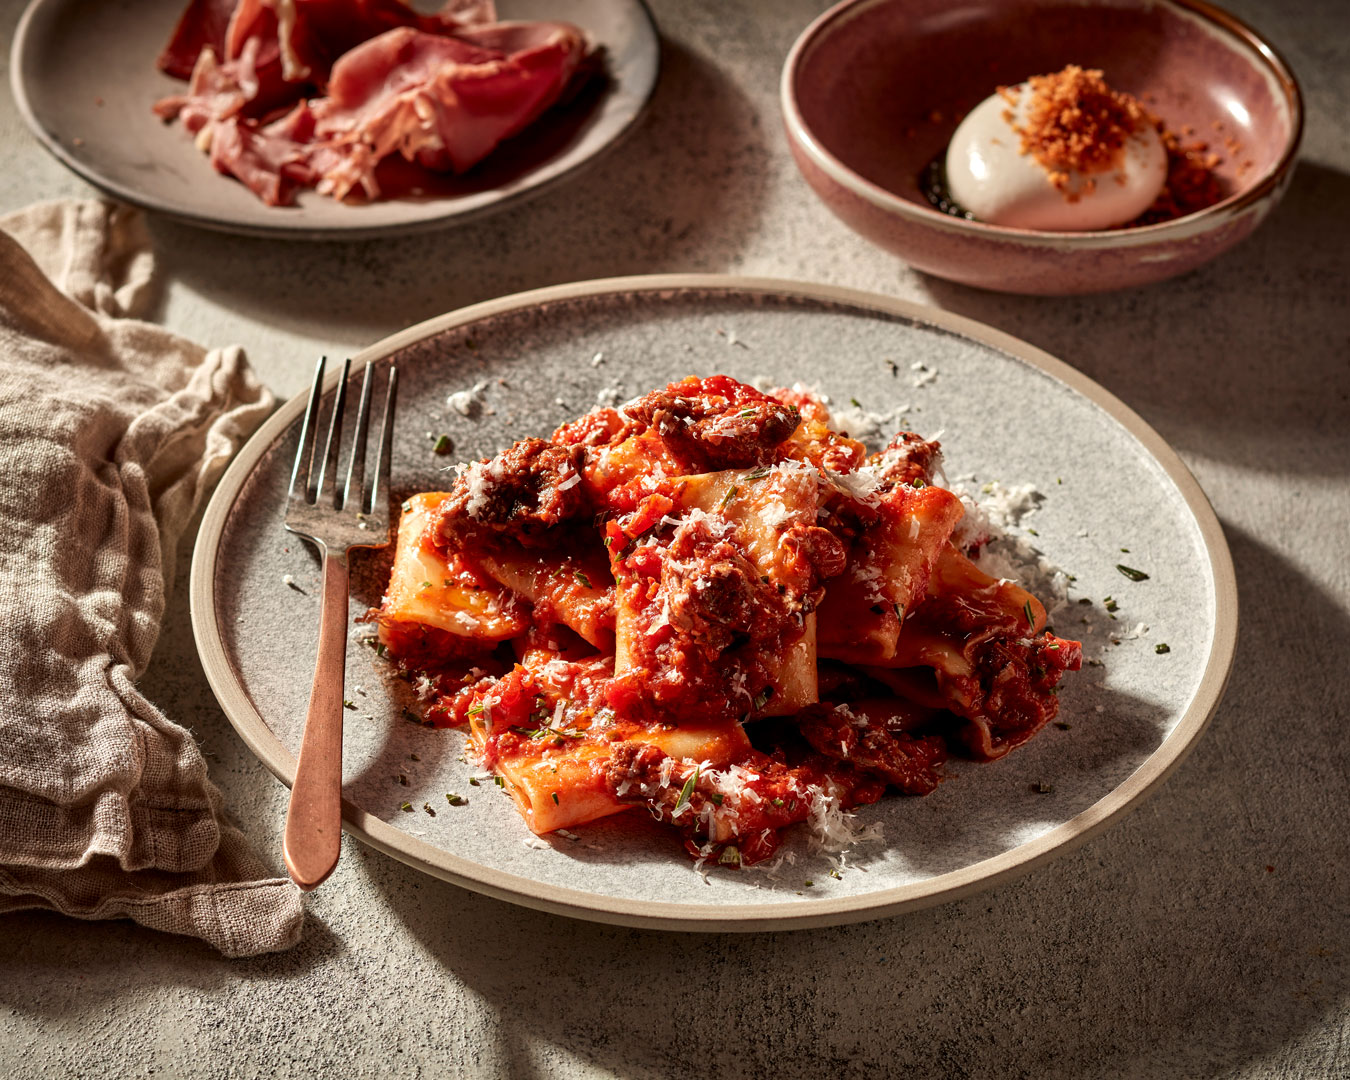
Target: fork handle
314,819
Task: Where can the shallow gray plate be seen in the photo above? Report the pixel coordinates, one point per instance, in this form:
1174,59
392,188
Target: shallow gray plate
83,73
1008,412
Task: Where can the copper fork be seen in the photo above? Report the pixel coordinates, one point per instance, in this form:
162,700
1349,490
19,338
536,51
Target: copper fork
335,521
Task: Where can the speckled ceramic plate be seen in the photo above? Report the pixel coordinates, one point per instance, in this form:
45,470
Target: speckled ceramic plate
1008,412
84,77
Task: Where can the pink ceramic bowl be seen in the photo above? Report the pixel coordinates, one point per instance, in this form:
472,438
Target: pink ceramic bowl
873,90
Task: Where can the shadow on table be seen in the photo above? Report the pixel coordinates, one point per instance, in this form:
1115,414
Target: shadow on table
1202,933
1277,398
681,192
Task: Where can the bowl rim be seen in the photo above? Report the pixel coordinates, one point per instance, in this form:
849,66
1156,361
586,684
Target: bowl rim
1186,225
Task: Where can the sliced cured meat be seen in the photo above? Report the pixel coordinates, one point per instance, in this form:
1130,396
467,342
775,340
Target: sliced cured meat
442,90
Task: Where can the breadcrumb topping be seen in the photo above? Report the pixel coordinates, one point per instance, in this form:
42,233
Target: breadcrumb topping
1075,122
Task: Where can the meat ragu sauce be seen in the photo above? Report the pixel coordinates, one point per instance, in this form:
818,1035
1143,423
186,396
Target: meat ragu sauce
709,604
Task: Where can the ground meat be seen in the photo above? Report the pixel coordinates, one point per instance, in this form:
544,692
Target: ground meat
716,423
909,457
824,551
717,602
520,493
1016,679
910,763
599,427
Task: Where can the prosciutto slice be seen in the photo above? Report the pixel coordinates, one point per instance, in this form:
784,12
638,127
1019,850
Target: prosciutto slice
287,93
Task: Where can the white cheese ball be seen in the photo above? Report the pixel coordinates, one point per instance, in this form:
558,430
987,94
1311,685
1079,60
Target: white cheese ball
987,175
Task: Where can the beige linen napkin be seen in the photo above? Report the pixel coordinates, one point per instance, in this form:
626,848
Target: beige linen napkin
111,432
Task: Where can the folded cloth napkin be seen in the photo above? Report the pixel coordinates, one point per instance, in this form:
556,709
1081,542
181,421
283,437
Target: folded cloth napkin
111,432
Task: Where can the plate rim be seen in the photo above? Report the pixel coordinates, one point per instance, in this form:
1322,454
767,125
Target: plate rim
282,230
805,914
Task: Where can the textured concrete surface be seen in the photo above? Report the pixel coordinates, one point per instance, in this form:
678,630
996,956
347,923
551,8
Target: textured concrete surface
1206,935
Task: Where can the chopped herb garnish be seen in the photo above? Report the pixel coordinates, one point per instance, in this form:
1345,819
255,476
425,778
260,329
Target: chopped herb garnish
427,807
406,807
1131,573
1033,532
426,584
555,798
1031,619
476,709
777,802
731,494
808,883
1110,604
836,875
402,779
473,781
758,474
746,412
455,800
406,507
444,445
717,798
347,703
1085,600
731,856
1062,725
762,698
685,793
499,781
582,579
895,368
1162,647
1125,550
1041,787
855,403
414,757
1053,645
1094,663
917,484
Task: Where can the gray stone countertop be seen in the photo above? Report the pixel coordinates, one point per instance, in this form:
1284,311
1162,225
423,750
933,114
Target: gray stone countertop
1208,934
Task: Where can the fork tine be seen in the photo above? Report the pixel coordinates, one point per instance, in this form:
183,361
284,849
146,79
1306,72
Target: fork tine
325,491
309,433
379,487
356,468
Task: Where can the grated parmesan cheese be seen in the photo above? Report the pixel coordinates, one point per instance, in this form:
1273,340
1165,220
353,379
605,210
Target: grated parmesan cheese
989,514
774,513
860,484
467,402
834,829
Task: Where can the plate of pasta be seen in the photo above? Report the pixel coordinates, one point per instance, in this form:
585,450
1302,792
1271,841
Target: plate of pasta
723,603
